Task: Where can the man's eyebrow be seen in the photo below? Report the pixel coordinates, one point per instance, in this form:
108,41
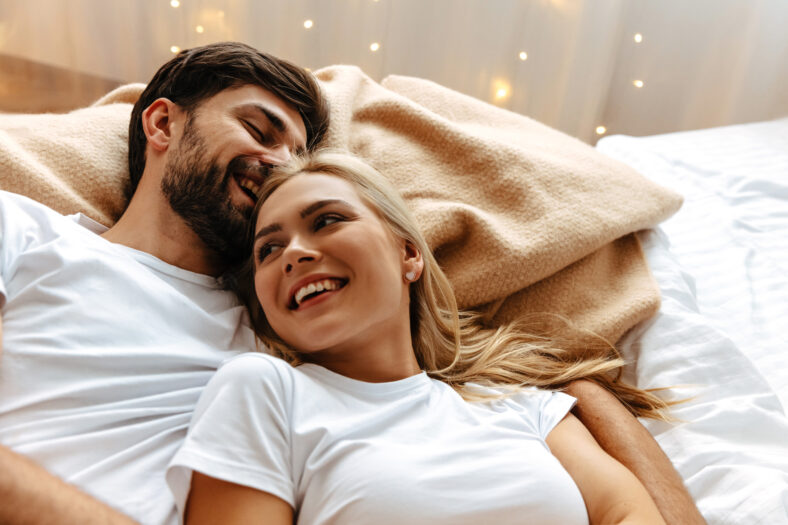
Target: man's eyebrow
312,208
272,117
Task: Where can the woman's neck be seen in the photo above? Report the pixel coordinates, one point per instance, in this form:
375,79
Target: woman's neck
379,361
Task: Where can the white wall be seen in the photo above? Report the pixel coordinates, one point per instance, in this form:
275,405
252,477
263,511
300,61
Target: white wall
703,62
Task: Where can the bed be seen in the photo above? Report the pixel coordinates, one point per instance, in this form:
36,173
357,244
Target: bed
720,334
720,261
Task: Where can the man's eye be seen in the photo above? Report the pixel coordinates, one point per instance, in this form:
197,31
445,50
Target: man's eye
255,131
327,220
265,250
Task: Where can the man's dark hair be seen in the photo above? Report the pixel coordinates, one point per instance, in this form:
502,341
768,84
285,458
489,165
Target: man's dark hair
197,74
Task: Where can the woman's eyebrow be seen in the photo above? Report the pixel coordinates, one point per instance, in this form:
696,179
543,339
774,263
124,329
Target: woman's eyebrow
312,208
271,228
308,210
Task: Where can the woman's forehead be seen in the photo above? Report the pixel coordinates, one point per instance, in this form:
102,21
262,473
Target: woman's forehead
299,192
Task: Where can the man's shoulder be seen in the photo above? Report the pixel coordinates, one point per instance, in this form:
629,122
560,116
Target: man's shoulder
14,205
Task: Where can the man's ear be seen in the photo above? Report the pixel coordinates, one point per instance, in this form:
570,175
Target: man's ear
412,262
157,123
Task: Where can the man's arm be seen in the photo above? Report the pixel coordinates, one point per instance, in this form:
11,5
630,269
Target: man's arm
612,494
622,436
31,496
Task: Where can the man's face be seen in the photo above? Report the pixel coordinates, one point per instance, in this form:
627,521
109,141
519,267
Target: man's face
227,145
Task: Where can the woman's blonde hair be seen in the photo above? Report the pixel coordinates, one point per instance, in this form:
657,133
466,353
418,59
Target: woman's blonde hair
541,350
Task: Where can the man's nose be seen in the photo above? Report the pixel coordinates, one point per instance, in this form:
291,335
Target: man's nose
278,155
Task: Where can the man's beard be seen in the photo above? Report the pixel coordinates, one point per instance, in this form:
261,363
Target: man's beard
199,191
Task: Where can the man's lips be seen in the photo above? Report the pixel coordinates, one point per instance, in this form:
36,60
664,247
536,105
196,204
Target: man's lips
313,286
250,186
249,174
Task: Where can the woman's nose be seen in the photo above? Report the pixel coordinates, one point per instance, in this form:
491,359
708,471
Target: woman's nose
299,253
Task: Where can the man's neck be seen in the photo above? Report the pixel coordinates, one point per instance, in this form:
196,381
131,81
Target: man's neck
150,225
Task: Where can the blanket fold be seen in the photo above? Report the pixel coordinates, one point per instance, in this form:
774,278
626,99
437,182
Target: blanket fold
521,217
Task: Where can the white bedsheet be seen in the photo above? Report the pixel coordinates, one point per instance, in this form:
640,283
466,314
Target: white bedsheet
722,265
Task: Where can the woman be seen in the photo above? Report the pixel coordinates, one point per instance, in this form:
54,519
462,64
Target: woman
387,405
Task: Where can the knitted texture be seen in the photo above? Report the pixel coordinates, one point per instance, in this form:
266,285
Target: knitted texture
72,162
522,218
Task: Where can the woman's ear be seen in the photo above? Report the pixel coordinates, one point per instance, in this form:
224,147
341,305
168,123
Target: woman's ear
157,120
412,262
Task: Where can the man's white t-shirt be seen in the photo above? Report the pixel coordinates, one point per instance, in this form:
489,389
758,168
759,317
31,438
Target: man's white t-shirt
342,451
105,352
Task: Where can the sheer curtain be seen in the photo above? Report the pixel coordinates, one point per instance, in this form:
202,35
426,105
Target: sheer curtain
572,64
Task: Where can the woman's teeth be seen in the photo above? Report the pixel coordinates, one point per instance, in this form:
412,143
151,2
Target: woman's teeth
326,285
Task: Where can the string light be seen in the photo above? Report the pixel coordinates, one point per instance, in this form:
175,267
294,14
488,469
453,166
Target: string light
501,90
199,29
637,83
601,130
308,24
374,46
175,3
638,38
175,49
523,55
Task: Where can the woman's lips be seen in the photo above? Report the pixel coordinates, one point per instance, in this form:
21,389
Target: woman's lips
307,292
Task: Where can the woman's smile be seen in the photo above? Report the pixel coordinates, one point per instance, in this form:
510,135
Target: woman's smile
315,292
329,271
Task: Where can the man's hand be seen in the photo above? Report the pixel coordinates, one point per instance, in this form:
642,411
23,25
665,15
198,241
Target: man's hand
622,436
32,496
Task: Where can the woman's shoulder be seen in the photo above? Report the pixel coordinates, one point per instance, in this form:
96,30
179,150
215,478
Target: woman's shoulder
542,408
254,368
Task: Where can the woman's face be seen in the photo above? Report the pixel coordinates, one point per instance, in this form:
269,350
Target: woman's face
328,270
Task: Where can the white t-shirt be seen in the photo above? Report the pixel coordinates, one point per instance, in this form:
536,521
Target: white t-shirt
105,352
342,451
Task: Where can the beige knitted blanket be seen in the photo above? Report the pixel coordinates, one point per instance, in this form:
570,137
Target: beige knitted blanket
522,217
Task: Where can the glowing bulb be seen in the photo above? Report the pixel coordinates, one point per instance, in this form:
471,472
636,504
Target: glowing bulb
501,89
523,55
638,83
374,47
199,29
638,38
308,24
175,3
175,49
601,130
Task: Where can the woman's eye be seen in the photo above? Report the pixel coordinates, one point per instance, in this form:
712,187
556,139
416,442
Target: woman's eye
265,250
326,220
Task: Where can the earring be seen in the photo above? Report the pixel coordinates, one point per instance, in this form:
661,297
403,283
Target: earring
410,276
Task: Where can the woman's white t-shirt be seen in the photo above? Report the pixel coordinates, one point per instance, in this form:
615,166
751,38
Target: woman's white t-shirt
410,451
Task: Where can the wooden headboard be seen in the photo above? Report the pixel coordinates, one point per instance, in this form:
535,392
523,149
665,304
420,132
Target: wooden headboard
32,87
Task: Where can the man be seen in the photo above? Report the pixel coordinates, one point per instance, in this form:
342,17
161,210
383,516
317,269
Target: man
109,339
